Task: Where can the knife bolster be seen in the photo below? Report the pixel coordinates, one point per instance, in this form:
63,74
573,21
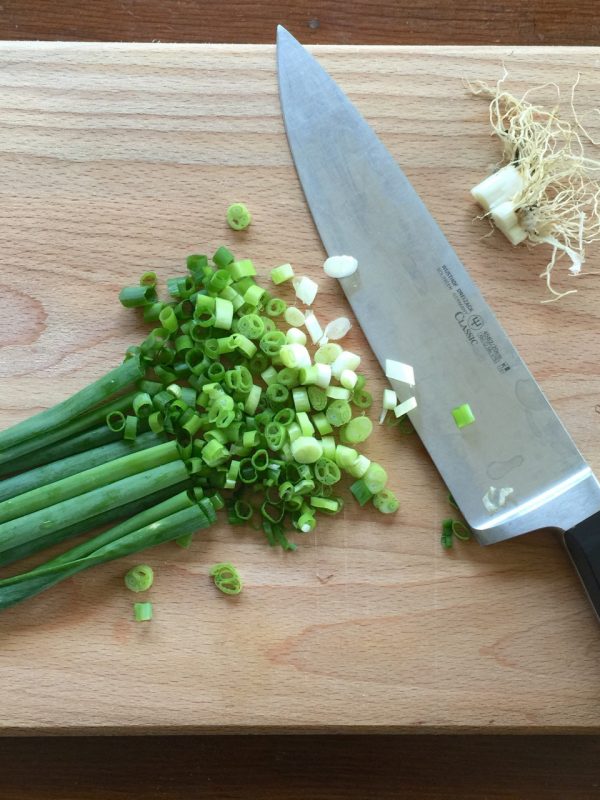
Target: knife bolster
583,545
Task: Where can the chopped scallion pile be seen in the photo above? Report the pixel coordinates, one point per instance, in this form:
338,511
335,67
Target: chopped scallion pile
222,406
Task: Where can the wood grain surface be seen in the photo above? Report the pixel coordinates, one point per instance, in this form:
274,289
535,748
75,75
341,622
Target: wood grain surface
117,159
511,22
302,768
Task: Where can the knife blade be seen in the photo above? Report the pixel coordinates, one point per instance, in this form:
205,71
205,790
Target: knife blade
416,303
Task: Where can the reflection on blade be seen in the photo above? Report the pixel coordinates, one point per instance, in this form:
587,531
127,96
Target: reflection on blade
417,304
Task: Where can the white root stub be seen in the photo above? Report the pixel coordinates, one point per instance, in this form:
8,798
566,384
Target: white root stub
496,195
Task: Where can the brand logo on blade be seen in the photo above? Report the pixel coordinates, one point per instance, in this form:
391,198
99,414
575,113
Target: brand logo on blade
476,322
463,323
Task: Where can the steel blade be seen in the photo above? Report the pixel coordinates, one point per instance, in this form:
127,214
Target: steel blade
416,303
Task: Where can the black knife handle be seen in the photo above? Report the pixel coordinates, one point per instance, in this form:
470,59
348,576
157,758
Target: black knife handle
583,544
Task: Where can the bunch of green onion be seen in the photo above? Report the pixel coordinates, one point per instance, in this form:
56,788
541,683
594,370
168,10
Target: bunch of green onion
217,408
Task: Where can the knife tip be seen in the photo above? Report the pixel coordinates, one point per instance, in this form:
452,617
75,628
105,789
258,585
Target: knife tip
282,33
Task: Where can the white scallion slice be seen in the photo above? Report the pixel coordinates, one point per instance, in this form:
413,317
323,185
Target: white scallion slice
306,289
340,266
345,360
405,407
293,316
295,336
397,371
337,393
389,403
337,328
294,356
495,498
313,327
348,379
390,400
327,353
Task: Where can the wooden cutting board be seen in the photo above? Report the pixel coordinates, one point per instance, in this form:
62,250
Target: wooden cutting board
116,159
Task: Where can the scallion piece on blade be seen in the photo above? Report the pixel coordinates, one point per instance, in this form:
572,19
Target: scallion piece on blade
139,578
227,579
281,274
142,612
340,266
397,371
404,407
238,217
493,499
463,415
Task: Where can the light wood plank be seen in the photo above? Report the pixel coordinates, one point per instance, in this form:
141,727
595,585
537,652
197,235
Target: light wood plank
118,158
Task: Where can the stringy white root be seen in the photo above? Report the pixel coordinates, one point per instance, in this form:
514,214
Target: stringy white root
548,191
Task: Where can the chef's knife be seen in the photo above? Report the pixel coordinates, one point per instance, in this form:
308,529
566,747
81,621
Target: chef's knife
417,304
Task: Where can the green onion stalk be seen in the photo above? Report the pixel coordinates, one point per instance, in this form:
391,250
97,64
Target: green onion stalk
217,408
